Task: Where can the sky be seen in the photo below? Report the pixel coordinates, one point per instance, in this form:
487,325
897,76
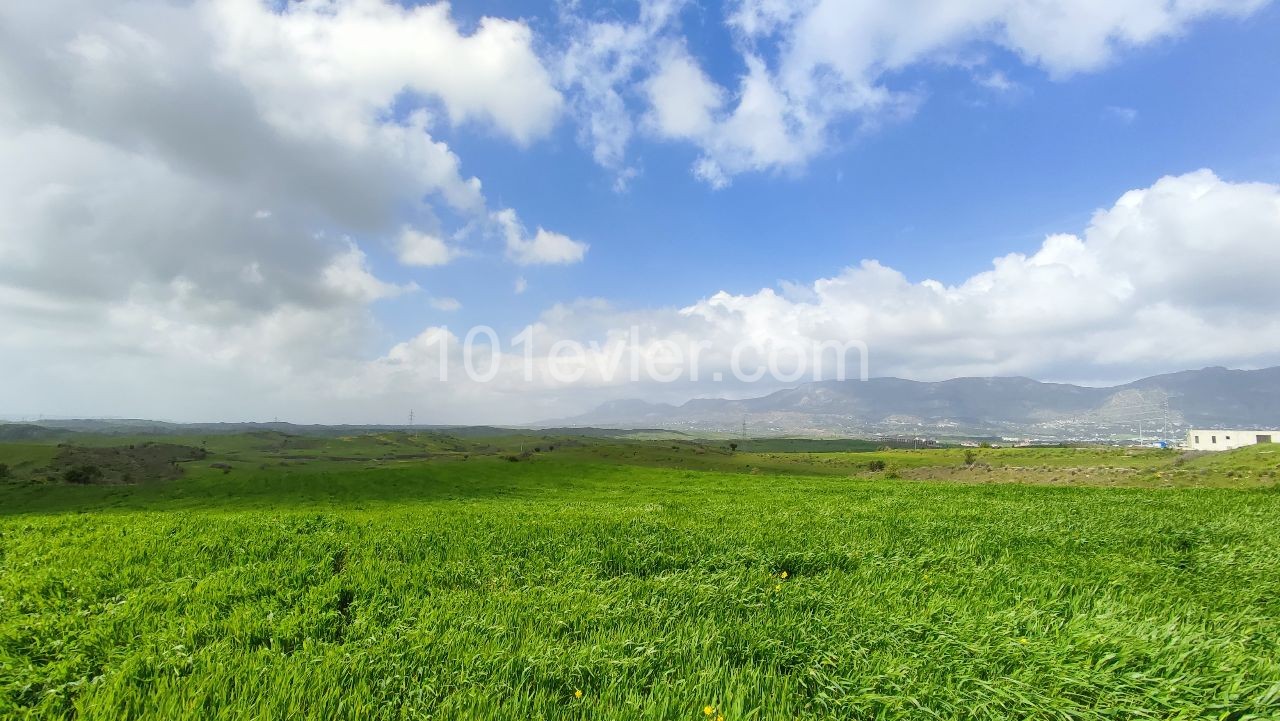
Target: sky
248,210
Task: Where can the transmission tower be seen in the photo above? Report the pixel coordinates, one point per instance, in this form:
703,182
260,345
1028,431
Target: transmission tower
1148,410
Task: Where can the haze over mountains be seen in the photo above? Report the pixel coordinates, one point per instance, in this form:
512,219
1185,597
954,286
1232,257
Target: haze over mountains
1158,406
1162,406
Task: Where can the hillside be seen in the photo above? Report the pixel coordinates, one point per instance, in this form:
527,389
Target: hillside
1163,404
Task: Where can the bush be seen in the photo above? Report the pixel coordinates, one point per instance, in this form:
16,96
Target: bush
970,457
4,470
83,474
876,466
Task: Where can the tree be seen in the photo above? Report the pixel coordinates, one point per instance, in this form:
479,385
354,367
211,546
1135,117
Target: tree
733,447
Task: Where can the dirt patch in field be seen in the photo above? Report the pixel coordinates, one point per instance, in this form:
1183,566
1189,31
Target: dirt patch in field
1035,475
1106,476
122,464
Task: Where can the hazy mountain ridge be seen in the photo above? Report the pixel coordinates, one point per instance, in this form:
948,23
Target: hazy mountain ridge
1159,406
1010,405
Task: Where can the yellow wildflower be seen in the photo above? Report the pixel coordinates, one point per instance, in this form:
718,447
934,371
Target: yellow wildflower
1022,640
784,575
577,693
708,710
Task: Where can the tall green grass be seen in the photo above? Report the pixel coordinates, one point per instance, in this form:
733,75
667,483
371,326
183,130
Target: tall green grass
495,590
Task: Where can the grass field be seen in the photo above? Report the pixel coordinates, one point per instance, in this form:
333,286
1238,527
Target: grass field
421,576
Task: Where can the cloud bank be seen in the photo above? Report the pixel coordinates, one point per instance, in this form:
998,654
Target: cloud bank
1175,275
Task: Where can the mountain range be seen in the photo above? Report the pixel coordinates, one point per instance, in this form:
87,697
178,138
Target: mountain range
1163,405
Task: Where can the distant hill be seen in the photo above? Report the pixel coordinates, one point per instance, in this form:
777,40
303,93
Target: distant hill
31,432
73,428
139,427
967,406
1160,406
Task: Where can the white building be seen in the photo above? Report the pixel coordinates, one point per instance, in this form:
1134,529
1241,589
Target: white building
1225,440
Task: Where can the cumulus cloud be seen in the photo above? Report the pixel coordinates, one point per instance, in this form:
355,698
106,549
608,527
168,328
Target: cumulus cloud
1171,276
187,186
683,98
544,248
423,249
813,68
1175,275
357,56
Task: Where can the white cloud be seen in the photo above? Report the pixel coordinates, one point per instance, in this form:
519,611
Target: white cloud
521,285
601,62
423,249
1172,276
355,56
448,305
997,81
544,248
348,274
683,98
186,185
815,68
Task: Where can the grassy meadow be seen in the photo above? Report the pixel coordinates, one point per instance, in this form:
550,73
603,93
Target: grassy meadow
421,576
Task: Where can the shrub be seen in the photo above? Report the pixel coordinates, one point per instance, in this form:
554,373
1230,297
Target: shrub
876,466
733,447
970,457
4,470
83,474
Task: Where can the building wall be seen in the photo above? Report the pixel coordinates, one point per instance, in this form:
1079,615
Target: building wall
1225,440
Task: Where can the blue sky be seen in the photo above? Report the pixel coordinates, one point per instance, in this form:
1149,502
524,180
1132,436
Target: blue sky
975,173
231,209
